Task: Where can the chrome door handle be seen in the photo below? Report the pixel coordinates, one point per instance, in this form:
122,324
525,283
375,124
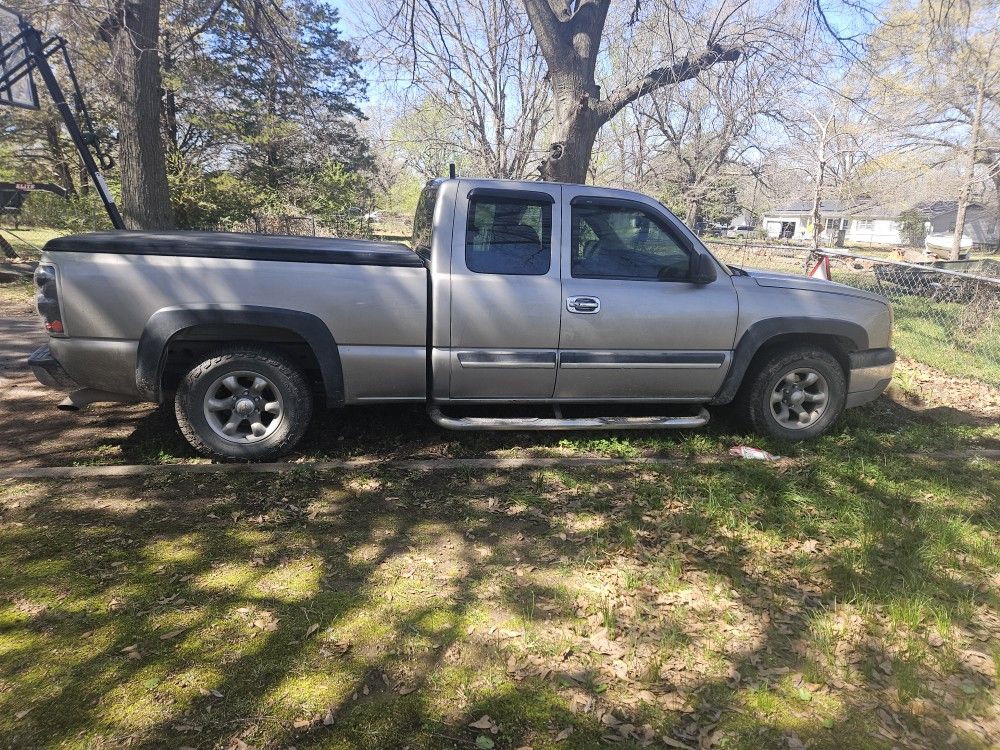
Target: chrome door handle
585,304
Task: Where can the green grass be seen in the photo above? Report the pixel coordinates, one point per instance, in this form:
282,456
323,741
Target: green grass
364,610
28,242
940,335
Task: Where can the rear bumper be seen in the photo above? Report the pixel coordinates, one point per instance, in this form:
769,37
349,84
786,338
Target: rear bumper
47,370
870,375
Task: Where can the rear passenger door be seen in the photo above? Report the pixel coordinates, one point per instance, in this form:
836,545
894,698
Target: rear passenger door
505,293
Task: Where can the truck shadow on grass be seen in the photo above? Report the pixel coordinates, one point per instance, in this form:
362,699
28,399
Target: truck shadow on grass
849,602
406,431
397,432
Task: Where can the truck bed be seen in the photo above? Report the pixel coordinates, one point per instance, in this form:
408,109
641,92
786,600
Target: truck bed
233,245
371,296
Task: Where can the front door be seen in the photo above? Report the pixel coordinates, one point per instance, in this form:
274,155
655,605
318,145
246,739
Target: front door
505,293
633,325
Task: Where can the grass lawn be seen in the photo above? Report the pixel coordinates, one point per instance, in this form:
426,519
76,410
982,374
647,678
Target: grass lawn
845,598
938,334
28,242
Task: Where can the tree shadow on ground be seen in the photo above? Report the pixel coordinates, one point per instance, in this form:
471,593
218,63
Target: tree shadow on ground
744,603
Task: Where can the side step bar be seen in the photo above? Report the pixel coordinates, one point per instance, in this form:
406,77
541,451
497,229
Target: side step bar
587,423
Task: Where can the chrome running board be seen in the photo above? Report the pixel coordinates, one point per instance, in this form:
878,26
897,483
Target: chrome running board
586,423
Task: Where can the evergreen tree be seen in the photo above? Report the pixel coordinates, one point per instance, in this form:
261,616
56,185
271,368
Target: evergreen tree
286,109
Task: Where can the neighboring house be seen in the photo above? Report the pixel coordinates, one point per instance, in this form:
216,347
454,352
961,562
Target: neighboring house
869,223
980,224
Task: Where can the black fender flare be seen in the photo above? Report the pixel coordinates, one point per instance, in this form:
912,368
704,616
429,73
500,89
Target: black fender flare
167,322
758,334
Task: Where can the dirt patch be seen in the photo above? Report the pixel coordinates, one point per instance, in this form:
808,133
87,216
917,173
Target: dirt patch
17,299
948,398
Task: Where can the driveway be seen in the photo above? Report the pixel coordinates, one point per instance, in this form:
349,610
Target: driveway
18,337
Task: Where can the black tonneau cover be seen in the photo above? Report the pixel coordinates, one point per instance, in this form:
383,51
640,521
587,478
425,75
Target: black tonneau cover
240,246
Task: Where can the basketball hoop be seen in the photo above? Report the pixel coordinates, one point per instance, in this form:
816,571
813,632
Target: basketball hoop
16,87
23,52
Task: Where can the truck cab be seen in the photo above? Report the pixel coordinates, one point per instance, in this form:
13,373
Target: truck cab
570,293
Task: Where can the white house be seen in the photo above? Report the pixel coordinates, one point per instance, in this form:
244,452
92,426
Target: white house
869,223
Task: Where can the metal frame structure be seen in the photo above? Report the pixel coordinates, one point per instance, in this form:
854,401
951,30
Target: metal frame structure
78,123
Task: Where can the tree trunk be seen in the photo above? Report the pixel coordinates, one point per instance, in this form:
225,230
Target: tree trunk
169,97
134,40
691,217
569,37
574,131
816,214
996,190
970,168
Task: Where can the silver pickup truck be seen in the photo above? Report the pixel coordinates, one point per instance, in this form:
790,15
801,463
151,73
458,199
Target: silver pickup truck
514,296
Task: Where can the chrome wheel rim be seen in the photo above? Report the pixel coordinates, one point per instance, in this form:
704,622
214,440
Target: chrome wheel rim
243,407
799,398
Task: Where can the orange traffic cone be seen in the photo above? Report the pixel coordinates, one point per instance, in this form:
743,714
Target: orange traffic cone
822,269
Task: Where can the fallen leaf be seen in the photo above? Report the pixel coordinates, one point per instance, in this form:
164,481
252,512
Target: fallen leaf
483,723
172,634
671,742
564,734
311,629
21,714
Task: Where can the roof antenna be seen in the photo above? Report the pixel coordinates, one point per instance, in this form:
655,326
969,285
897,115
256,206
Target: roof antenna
451,171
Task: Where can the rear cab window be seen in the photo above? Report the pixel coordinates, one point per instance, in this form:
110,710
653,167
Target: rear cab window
423,220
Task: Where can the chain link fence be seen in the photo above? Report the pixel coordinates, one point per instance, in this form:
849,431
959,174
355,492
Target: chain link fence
947,314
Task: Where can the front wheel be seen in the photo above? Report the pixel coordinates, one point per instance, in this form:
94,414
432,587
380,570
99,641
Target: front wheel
796,394
244,403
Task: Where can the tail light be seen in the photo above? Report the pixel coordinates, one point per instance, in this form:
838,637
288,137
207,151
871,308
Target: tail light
47,299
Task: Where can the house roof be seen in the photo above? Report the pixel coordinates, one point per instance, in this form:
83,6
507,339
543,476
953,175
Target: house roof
864,209
832,208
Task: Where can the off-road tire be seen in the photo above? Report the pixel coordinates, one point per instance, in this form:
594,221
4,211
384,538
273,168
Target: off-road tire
295,395
753,402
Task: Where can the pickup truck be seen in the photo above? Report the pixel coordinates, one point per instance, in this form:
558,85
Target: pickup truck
515,297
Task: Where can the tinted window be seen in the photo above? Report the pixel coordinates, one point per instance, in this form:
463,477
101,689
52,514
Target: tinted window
423,220
625,243
508,236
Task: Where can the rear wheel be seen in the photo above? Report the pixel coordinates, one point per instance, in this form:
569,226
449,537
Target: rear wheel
244,403
796,394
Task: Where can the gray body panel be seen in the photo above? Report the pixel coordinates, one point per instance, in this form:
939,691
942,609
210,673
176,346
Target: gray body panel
494,337
376,314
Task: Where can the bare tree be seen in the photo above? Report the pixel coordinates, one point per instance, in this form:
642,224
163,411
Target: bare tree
570,37
670,41
707,131
941,61
476,64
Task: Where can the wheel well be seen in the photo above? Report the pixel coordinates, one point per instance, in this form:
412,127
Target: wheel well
192,345
837,346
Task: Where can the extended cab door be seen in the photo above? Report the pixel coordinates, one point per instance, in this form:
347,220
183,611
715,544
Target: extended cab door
505,292
634,326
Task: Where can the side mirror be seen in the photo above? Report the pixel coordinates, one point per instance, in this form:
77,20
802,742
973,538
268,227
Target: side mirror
703,270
